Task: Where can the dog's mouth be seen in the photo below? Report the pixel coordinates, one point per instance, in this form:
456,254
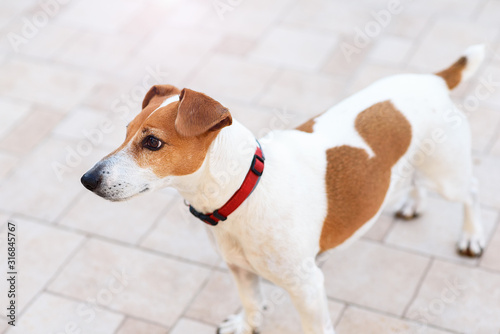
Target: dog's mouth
117,197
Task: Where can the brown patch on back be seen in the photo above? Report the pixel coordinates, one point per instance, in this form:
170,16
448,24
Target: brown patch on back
453,74
307,126
356,184
182,153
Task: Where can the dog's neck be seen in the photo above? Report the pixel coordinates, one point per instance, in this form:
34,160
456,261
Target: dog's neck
223,171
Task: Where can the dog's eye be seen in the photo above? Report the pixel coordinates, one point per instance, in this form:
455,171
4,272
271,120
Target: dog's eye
152,143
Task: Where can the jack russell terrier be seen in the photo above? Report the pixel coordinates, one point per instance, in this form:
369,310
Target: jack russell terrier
276,205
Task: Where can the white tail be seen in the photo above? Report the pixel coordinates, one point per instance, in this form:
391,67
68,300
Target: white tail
463,68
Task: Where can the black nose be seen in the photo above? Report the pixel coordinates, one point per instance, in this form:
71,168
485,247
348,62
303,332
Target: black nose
91,180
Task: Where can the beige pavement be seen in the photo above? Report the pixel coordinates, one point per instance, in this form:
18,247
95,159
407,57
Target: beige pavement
73,73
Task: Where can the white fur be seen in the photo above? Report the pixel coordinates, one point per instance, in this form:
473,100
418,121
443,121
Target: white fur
171,99
275,233
475,56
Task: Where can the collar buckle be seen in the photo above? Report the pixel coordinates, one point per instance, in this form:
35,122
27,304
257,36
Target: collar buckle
206,218
255,167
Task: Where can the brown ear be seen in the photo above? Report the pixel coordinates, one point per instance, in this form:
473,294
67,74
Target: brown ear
197,113
159,90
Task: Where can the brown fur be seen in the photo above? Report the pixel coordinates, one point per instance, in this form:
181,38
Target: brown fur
453,74
307,126
181,154
357,184
199,113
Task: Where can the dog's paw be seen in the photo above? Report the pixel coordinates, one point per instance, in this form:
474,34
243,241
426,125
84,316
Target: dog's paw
405,215
471,245
408,210
236,324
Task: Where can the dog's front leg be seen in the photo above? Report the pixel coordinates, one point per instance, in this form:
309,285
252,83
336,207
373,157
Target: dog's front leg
309,297
248,321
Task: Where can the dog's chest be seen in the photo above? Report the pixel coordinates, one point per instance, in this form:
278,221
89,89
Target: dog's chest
234,251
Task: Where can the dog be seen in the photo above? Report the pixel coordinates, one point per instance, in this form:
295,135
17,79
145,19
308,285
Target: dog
274,206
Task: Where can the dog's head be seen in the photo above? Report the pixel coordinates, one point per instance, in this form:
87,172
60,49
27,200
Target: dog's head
170,137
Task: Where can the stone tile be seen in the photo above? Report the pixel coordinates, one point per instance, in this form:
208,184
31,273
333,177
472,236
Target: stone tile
281,317
484,124
369,274
486,170
134,326
83,15
3,324
461,9
488,79
408,25
45,191
51,85
7,164
235,45
185,15
491,257
53,314
41,252
379,230
246,17
190,326
104,52
451,37
79,121
260,120
306,93
11,112
458,298
437,230
30,131
49,41
489,13
495,150
180,234
369,74
124,221
172,55
347,59
12,10
85,123
217,300
232,77
113,95
153,288
391,50
294,48
357,320
333,16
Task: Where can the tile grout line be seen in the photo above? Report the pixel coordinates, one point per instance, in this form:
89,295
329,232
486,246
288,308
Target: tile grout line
69,206
195,296
104,307
52,278
122,323
418,287
155,224
341,314
120,243
417,42
386,314
201,321
421,254
488,245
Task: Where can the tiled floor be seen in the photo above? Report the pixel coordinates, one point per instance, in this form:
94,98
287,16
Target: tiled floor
72,73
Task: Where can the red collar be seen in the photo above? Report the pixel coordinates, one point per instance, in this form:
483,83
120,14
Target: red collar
250,182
